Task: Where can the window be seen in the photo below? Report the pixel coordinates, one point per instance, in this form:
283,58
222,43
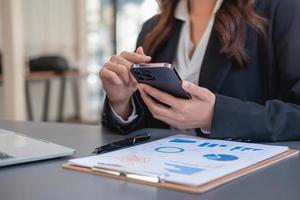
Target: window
101,23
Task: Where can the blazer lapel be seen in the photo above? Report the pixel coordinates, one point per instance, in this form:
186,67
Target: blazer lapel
215,66
168,51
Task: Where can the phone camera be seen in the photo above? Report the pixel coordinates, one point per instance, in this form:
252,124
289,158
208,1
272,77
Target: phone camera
148,76
137,73
141,78
143,75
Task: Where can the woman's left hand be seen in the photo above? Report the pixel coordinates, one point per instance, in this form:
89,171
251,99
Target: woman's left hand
182,114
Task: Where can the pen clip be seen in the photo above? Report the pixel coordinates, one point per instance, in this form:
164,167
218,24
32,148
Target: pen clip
140,138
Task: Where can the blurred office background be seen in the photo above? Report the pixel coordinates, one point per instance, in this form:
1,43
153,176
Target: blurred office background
83,34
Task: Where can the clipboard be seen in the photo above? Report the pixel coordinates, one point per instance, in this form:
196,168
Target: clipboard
193,189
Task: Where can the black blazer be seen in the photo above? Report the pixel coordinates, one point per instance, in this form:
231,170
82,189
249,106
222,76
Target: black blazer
260,102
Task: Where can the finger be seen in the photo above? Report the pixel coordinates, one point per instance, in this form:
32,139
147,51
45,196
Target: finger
140,50
135,57
122,61
195,90
110,76
157,110
133,80
120,70
161,96
167,118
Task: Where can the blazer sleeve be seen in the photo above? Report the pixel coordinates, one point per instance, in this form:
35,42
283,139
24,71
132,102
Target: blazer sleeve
107,118
278,119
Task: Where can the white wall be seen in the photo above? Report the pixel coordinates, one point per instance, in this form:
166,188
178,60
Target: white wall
49,29
1,88
0,29
0,26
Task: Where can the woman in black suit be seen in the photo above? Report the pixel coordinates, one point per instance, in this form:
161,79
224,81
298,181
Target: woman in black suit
248,77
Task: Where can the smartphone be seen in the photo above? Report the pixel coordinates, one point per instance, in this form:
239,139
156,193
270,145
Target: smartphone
161,76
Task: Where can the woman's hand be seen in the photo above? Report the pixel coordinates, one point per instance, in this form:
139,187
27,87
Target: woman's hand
118,82
183,114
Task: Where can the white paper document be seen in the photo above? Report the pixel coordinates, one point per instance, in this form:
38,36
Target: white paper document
185,159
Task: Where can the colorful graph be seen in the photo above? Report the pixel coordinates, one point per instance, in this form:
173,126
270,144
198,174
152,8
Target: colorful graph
240,148
169,149
221,157
181,169
178,140
211,145
134,159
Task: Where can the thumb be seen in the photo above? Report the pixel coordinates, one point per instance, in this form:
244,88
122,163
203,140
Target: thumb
140,50
195,90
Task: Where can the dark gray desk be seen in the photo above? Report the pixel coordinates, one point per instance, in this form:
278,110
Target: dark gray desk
47,180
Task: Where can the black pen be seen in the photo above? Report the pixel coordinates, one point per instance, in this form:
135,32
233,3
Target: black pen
130,141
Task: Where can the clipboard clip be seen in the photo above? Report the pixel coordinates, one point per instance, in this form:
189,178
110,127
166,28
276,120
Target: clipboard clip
118,170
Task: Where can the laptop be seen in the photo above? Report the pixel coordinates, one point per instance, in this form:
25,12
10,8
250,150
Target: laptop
17,148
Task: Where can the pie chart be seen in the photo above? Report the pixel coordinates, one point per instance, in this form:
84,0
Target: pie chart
221,157
169,149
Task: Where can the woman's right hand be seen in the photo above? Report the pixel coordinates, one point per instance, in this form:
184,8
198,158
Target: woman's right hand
118,82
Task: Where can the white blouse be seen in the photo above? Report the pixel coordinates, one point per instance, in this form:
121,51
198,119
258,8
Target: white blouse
188,68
